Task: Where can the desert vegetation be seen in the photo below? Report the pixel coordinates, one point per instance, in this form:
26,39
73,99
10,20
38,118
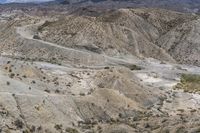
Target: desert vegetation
98,70
189,83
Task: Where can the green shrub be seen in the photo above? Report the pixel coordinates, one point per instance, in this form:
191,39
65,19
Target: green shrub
189,83
71,130
193,78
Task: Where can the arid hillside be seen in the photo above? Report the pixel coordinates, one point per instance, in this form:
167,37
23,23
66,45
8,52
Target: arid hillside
139,32
91,70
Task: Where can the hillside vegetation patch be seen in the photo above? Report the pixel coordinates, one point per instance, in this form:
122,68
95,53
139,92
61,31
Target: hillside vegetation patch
189,83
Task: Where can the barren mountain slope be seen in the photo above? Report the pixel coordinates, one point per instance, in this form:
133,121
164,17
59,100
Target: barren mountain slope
137,32
113,33
45,98
123,31
73,83
38,96
177,5
164,20
183,42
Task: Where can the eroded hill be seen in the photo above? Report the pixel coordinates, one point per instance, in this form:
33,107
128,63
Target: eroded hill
92,70
139,32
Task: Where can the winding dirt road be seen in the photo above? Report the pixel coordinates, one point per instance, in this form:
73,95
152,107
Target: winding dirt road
154,73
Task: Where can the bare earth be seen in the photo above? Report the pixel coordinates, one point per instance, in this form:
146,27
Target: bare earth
52,87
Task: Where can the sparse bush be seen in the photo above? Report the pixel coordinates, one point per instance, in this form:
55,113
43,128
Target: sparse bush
12,75
181,110
193,110
25,131
101,85
56,83
106,67
134,67
10,70
58,126
33,82
19,124
108,100
71,130
146,125
120,115
32,129
57,91
39,128
36,37
8,83
189,83
48,91
82,94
